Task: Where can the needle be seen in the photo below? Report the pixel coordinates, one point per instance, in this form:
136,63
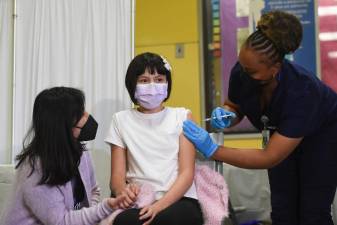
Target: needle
223,116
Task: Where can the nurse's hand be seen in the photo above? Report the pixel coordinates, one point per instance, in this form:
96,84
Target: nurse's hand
200,138
221,118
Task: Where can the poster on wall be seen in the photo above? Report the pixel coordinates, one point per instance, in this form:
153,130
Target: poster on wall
238,18
304,10
327,12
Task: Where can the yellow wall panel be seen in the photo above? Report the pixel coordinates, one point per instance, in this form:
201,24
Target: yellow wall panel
159,22
185,76
159,25
244,143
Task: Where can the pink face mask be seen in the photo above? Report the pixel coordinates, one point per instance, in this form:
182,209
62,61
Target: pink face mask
151,95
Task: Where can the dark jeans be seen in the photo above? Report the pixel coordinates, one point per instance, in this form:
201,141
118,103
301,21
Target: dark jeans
303,185
186,211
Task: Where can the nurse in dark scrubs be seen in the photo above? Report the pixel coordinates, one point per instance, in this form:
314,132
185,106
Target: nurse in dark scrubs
301,155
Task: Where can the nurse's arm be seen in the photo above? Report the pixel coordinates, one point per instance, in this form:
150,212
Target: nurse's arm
278,148
229,105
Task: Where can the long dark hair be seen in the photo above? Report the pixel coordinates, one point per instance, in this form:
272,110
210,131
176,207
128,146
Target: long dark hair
50,139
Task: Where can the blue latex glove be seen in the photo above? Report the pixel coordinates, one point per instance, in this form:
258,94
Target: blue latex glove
220,122
200,138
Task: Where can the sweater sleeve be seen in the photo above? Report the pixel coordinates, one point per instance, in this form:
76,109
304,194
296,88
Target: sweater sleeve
47,203
95,195
95,189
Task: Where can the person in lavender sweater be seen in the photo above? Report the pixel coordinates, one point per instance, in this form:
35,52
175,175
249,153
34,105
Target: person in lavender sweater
55,182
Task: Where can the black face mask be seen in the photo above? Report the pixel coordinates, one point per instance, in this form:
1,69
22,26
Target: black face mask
89,130
251,83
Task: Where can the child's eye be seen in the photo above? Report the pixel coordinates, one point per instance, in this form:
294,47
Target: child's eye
142,81
160,80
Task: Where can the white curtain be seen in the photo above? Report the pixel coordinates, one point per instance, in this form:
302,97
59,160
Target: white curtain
80,43
6,65
85,44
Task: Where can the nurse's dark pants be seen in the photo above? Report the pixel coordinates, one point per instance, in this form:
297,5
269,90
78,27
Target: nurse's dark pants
186,211
303,185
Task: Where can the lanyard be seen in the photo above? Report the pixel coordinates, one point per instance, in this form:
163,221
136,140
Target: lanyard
266,131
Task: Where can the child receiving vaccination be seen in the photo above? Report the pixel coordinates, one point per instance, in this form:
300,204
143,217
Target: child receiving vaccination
148,147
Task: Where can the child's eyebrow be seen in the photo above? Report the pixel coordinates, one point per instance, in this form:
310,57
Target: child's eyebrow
159,75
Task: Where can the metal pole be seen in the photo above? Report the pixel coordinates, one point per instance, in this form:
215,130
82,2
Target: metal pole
13,80
219,139
133,14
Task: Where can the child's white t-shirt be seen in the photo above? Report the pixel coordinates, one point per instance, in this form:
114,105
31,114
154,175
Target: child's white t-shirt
152,145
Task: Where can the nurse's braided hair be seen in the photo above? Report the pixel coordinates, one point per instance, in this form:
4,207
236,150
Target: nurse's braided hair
278,33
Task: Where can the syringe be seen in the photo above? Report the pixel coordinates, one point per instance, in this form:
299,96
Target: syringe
223,116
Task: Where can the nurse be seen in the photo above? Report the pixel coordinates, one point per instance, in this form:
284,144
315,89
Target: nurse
301,156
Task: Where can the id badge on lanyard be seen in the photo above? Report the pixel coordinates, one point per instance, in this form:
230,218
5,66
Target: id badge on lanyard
265,137
265,131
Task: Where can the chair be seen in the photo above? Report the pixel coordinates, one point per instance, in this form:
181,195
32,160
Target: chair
218,167
334,209
6,181
249,190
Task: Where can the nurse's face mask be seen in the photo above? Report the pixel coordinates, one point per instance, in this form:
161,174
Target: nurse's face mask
248,80
256,71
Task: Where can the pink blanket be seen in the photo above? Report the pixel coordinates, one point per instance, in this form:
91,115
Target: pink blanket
212,195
